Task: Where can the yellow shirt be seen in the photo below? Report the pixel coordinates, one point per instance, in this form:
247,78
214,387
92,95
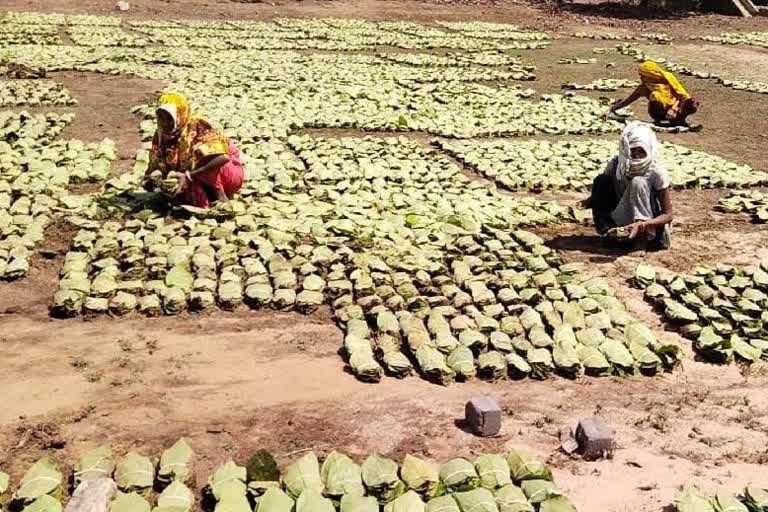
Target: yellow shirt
663,87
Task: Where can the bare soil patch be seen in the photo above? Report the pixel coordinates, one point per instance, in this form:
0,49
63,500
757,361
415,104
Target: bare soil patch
104,110
730,61
578,16
32,294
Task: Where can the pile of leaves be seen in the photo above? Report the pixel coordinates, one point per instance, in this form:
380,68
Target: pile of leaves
34,93
446,96
14,34
572,165
501,31
513,69
103,36
332,34
753,202
759,39
36,173
603,36
603,84
691,499
721,309
656,37
577,60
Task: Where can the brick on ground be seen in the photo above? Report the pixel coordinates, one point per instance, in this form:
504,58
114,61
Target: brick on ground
595,438
483,415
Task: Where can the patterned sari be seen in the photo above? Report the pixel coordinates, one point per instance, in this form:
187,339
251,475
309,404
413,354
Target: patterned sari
192,142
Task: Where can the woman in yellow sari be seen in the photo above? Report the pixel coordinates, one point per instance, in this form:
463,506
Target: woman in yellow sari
667,98
206,164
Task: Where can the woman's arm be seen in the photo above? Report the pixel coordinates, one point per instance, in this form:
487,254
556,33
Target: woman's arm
667,215
213,164
638,93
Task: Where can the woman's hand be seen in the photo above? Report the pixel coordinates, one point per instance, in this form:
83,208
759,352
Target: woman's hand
616,105
183,183
674,111
637,229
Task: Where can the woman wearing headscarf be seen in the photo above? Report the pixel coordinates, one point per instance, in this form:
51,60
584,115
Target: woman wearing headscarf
668,101
633,191
206,164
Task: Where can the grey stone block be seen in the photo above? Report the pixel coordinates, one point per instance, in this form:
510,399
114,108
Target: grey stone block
92,496
483,416
595,438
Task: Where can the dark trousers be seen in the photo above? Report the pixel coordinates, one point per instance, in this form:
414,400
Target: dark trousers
603,201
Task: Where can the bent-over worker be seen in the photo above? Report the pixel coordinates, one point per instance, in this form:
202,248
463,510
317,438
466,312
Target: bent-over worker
206,163
633,191
668,101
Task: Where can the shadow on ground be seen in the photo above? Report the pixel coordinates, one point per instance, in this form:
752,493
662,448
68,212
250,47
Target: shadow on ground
603,251
619,10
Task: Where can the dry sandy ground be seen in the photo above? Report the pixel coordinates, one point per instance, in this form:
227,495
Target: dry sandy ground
232,383
587,16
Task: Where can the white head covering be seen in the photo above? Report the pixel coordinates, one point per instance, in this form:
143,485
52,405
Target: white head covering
637,134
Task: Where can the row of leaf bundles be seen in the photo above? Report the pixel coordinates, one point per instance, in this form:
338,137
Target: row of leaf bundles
154,267
488,58
22,227
722,309
752,499
751,38
503,352
42,487
34,93
22,129
753,202
103,36
136,476
602,84
324,37
33,183
9,37
573,164
492,321
521,482
52,167
745,85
